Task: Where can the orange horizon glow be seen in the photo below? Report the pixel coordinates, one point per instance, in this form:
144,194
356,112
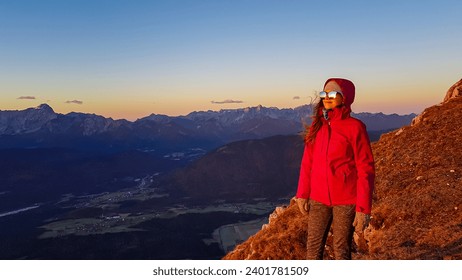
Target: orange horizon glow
371,98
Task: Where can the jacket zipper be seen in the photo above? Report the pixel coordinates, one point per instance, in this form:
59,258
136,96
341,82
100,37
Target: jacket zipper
327,161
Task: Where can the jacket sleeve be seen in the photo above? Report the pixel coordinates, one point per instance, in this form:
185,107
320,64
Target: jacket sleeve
364,160
304,181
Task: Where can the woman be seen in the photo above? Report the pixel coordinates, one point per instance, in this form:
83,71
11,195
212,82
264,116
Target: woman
337,172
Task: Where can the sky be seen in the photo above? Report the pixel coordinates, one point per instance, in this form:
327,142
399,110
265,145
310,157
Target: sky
129,59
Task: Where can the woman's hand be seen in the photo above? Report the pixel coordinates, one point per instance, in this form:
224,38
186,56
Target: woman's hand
361,221
303,205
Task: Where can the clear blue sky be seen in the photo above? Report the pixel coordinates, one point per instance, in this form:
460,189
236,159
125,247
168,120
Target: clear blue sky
128,59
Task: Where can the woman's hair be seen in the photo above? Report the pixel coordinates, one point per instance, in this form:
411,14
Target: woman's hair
312,130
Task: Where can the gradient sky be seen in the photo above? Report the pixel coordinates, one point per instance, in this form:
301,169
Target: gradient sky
128,59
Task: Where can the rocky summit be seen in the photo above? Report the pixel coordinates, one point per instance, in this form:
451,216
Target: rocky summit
416,211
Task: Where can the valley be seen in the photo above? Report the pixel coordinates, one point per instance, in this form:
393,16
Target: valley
142,212
81,186
109,213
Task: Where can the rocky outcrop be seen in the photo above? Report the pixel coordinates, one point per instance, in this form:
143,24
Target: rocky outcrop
454,91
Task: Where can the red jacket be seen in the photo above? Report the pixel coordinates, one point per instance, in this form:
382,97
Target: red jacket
338,168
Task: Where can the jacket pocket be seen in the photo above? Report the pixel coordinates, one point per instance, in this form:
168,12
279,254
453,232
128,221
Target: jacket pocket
343,171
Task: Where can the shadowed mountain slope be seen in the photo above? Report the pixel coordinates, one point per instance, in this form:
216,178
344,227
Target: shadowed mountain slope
417,204
243,170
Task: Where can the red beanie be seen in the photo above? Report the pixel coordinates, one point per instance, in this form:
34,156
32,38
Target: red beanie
348,89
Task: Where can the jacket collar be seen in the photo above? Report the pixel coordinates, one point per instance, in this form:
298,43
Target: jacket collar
338,113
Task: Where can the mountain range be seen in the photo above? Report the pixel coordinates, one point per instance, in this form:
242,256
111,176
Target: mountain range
41,127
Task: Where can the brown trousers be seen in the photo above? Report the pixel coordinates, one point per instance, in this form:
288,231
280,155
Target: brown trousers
320,219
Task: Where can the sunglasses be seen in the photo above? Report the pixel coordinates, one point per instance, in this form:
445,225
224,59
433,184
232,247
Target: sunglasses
330,94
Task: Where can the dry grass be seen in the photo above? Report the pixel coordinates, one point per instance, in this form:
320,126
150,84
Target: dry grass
284,238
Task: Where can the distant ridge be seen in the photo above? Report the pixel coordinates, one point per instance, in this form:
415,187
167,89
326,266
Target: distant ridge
41,127
25,121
